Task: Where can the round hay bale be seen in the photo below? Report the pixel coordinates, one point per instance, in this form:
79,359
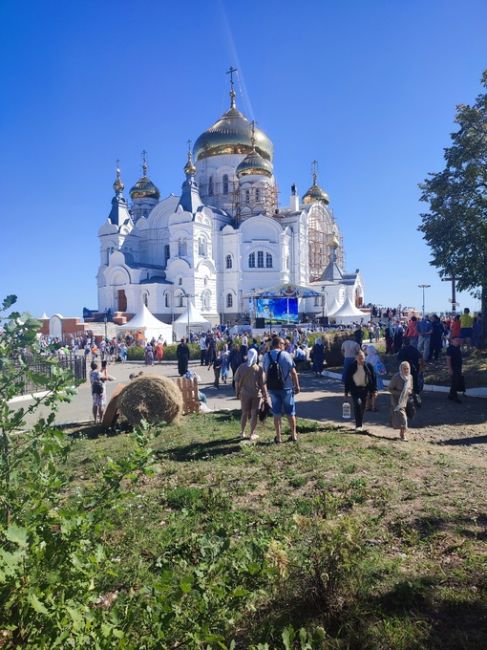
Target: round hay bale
155,399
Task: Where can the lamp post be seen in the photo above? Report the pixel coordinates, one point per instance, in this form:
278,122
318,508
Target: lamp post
187,295
423,287
105,319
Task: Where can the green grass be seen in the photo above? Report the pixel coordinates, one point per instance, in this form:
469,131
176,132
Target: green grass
344,541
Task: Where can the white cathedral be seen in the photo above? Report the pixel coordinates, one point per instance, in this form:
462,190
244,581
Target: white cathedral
225,239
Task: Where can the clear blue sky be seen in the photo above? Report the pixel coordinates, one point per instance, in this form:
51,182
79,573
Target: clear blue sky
368,88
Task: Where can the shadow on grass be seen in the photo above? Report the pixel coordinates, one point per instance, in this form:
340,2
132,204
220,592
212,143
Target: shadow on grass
208,450
427,526
473,440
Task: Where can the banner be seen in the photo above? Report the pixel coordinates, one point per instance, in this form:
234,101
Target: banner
277,310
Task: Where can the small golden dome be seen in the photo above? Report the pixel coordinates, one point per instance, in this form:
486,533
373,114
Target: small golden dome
144,188
189,168
118,185
315,192
254,165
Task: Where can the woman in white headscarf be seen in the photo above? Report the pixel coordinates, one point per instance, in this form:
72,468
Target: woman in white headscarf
401,389
250,389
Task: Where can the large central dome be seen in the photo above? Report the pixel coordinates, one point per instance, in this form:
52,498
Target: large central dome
230,135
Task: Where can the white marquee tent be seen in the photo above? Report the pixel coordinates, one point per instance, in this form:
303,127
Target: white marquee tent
347,313
191,319
149,325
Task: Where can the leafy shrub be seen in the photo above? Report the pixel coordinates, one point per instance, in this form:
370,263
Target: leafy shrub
135,353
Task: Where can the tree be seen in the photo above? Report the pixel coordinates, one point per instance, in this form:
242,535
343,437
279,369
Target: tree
455,228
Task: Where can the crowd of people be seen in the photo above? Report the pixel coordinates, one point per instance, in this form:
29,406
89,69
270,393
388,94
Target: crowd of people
255,363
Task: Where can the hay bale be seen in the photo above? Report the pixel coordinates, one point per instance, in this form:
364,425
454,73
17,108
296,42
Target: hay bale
155,399
111,412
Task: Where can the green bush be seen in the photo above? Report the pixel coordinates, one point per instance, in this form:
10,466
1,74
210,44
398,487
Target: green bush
135,353
334,340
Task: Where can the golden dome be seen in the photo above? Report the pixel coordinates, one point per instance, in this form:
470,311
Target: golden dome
315,193
189,168
231,135
118,185
144,188
254,165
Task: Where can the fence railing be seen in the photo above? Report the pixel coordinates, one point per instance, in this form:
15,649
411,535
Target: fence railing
74,363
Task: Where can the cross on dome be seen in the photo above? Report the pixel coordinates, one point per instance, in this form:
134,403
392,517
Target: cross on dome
230,71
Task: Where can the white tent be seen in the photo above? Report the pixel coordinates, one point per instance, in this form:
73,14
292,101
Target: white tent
335,306
190,319
347,313
148,324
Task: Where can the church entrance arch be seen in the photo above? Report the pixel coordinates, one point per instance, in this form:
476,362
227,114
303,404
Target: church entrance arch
122,300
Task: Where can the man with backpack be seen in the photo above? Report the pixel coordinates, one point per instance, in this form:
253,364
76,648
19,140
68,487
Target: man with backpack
282,384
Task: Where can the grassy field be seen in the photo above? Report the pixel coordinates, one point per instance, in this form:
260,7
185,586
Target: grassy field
340,541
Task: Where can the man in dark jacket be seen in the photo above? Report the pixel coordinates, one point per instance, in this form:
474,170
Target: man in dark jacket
360,381
182,354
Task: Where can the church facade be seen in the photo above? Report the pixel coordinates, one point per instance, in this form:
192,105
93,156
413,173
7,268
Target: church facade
224,239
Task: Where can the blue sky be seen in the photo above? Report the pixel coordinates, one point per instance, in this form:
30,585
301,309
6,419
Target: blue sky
368,88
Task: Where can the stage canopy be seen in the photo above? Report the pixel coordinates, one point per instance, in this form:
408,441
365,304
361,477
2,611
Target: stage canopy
190,319
288,291
148,325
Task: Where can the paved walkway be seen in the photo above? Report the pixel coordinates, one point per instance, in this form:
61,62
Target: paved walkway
321,399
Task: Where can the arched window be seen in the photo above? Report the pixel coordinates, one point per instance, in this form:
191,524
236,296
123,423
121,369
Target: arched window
228,262
210,186
229,300
183,248
180,281
225,183
145,298
202,247
252,261
257,194
166,300
317,301
167,252
268,261
260,259
205,281
180,300
247,196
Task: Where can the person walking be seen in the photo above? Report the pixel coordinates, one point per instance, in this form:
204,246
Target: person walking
411,354
424,328
217,366
401,389
182,355
250,389
234,359
436,340
412,331
282,384
360,383
350,348
317,356
202,344
454,362
149,355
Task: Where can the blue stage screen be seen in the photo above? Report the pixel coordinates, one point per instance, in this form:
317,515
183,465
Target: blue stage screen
277,310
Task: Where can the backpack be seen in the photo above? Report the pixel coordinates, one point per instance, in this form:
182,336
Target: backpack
275,380
97,387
